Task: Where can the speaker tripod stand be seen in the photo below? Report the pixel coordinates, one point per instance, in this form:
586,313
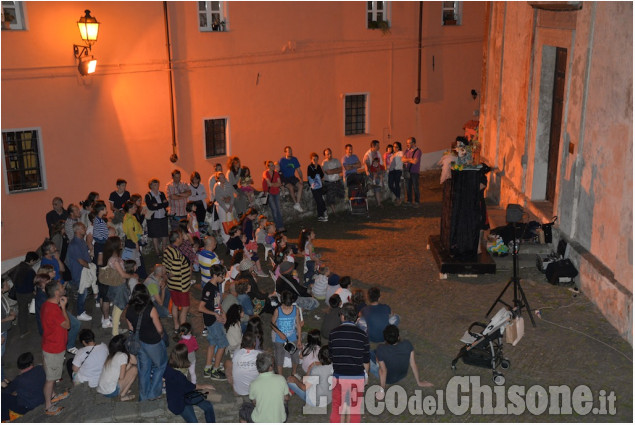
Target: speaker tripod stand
517,303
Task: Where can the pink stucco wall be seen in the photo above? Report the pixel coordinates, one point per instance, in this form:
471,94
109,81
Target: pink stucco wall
279,74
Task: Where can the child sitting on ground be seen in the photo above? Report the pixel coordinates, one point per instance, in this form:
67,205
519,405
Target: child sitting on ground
332,318
333,285
311,258
345,290
320,283
189,340
358,299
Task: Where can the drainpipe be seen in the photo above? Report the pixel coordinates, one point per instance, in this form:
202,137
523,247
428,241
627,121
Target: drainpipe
418,98
173,157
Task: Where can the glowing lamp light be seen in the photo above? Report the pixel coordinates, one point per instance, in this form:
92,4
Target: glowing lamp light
87,65
88,28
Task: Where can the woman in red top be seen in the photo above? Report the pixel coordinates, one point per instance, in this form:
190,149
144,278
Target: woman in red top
271,185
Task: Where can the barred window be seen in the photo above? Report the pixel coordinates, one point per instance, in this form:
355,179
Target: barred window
212,16
378,14
452,12
22,159
355,114
215,137
13,16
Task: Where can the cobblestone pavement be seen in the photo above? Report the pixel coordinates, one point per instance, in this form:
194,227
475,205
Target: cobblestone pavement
572,344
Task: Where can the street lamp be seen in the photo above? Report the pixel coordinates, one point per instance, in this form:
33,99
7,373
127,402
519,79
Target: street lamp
88,30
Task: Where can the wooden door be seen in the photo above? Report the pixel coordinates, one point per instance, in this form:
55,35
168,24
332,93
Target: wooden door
556,121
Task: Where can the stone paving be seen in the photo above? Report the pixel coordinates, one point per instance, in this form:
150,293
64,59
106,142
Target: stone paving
571,345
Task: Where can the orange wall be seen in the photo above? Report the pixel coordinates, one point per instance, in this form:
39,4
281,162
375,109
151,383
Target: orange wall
116,123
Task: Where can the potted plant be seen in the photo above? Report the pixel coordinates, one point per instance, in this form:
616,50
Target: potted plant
380,24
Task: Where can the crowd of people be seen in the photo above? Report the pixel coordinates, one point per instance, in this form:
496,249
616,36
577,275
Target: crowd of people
96,248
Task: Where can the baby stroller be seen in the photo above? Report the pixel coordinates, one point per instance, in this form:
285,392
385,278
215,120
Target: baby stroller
485,348
357,201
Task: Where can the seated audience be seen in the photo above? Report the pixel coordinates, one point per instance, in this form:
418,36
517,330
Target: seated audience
315,387
179,391
241,369
332,318
391,360
89,361
269,394
24,393
119,372
376,316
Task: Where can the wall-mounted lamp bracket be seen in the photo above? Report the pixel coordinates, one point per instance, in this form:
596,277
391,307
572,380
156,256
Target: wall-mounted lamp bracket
80,50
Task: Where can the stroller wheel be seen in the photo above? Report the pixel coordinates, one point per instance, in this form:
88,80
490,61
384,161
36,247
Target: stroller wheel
498,378
505,364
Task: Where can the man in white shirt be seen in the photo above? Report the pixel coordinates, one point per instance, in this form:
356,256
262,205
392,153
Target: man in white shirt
89,360
241,370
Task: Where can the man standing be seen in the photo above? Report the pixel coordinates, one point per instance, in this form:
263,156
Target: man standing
179,275
412,164
351,165
78,259
22,277
52,258
289,166
73,217
56,214
178,193
372,154
207,258
55,326
350,354
118,198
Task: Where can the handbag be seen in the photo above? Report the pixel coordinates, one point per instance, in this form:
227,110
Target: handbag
110,277
133,343
227,225
195,397
32,306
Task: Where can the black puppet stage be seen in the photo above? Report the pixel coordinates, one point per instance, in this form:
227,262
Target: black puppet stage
462,217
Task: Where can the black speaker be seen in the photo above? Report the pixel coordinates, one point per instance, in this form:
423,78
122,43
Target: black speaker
514,213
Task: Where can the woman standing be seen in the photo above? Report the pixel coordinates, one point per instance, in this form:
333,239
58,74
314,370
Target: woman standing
158,222
134,231
119,294
224,194
234,173
333,187
394,172
315,176
271,184
198,196
152,356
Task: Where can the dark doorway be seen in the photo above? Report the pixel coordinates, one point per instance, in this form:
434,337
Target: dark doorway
556,121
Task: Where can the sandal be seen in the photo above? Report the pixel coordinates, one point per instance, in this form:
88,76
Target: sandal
54,410
59,397
127,397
